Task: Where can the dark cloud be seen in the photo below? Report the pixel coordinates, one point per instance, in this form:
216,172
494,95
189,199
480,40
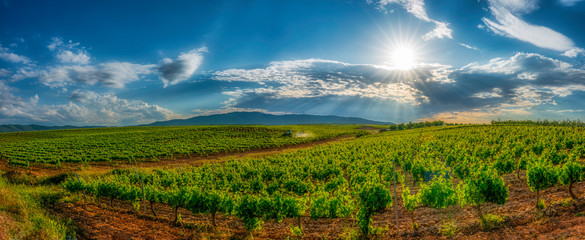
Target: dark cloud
112,74
175,71
503,86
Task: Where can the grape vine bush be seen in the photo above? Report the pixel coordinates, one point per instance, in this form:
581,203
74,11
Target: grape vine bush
352,178
483,186
541,175
571,173
372,198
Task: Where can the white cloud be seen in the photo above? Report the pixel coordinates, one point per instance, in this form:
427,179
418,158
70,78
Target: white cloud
494,93
441,31
468,46
68,52
509,24
14,108
569,3
55,42
574,52
517,64
74,68
89,107
314,78
111,74
85,108
173,72
25,72
527,76
417,8
67,56
8,56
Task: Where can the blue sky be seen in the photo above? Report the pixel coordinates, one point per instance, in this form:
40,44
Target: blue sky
117,63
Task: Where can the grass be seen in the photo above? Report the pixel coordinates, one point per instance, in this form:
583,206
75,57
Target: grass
23,214
449,229
490,222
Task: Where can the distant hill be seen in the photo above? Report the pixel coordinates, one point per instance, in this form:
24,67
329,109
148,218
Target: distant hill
234,118
32,127
257,118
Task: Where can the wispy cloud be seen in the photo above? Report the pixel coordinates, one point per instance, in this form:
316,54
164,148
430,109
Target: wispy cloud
5,72
179,70
417,8
468,46
508,23
569,3
8,56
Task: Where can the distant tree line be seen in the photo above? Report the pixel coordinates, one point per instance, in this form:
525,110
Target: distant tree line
546,122
411,125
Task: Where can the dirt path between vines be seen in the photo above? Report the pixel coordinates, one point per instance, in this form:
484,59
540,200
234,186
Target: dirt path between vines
562,219
95,168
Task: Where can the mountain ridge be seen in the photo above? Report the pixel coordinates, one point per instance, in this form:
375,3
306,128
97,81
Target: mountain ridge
6,128
258,118
233,118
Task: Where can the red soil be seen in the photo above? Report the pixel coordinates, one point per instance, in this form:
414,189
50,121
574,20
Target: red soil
558,221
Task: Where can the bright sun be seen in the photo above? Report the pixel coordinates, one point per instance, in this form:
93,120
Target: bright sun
403,58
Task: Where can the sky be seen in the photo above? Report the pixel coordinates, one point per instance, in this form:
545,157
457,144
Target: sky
117,63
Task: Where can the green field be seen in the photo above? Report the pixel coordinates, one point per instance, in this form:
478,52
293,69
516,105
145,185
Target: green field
459,165
134,144
432,167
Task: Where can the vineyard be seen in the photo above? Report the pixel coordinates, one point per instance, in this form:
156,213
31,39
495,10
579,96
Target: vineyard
135,144
443,168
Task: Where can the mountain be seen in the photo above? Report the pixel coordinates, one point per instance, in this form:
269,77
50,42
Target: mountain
257,118
32,127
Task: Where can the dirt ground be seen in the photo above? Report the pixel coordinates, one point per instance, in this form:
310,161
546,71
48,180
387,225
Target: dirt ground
562,219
